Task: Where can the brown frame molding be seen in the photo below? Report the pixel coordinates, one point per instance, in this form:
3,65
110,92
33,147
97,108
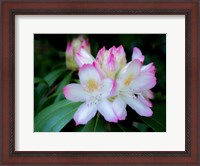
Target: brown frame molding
11,8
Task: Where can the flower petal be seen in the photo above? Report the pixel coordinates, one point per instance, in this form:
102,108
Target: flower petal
100,55
115,89
150,68
137,54
121,56
120,51
69,49
143,82
111,63
145,101
106,110
138,106
101,73
129,72
85,113
148,94
83,57
75,92
86,44
119,108
107,86
88,73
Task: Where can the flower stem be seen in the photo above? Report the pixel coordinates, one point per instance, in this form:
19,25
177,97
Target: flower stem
96,121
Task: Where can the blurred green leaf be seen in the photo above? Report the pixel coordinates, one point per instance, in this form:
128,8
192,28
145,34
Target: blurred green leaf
45,57
52,76
45,101
36,100
39,80
41,89
97,124
141,127
119,127
59,66
76,81
63,83
55,117
158,121
50,79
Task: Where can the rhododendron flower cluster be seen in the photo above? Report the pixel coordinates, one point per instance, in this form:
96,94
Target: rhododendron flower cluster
108,84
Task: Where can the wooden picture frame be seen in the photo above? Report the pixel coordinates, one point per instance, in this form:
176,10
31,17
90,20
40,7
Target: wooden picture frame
189,9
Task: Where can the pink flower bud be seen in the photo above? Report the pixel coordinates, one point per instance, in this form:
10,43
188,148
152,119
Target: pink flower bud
111,61
73,47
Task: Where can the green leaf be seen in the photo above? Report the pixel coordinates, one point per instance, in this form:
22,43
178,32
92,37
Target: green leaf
64,82
115,128
36,99
42,88
122,128
39,80
140,126
158,121
76,80
59,66
52,76
50,79
54,117
97,124
45,101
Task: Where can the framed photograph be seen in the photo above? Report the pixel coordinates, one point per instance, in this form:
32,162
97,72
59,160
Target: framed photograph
100,82
77,52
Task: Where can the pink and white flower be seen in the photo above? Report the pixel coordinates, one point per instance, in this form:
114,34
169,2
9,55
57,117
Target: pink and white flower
83,57
133,86
73,47
93,91
137,54
109,78
111,61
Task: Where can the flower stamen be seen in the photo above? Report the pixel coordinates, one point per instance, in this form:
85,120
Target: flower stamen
92,85
128,80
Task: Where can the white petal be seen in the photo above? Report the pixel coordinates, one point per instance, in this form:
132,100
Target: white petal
106,110
86,55
150,68
143,82
100,55
88,73
119,108
85,113
75,92
69,49
107,85
83,57
138,106
115,89
100,71
129,72
148,94
137,54
145,101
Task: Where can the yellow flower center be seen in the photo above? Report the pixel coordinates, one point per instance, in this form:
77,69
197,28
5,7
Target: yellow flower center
92,85
128,80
